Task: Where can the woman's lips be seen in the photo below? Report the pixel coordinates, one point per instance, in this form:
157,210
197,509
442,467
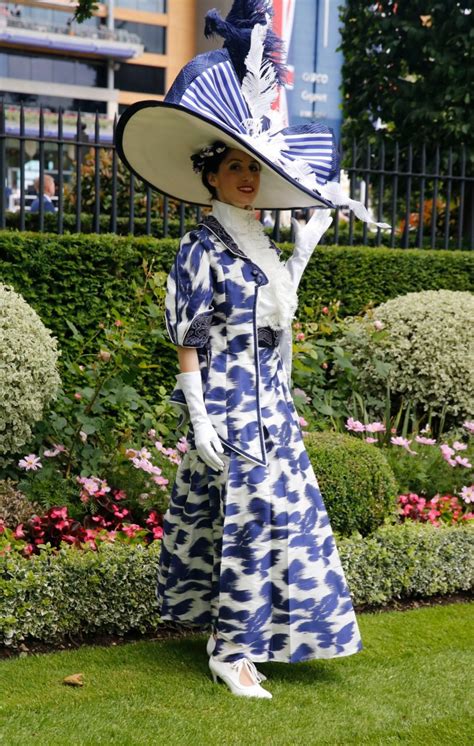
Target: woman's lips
246,189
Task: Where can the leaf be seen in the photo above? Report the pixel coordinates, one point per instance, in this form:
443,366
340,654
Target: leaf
75,679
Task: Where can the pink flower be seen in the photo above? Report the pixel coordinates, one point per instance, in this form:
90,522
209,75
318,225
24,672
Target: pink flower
58,513
354,425
30,463
29,549
118,323
404,443
77,396
446,451
120,513
300,337
325,310
375,427
157,532
324,365
425,441
459,446
160,480
182,445
303,422
18,532
467,494
469,425
370,440
152,433
129,529
463,462
378,325
54,451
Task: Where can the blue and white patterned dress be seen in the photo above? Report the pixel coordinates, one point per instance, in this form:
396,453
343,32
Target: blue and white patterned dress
250,549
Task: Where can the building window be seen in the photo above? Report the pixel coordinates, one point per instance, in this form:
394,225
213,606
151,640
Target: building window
53,103
151,6
153,37
52,17
141,79
51,69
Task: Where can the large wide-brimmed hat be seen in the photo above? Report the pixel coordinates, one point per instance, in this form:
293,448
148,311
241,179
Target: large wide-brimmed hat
226,95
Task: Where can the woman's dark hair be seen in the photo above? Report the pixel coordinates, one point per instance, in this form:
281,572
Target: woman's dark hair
211,165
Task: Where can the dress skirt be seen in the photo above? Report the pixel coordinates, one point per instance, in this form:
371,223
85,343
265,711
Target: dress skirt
250,550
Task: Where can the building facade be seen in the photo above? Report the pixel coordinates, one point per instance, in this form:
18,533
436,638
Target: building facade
129,50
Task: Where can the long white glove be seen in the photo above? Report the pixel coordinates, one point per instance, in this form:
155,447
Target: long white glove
206,439
307,238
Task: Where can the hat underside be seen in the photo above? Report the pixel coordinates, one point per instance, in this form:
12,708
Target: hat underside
156,140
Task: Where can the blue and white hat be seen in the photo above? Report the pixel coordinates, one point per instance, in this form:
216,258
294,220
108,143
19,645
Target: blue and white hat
226,95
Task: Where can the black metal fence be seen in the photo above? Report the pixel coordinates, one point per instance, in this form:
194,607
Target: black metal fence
426,197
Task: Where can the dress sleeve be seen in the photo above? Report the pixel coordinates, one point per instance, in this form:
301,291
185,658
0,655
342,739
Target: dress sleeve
189,294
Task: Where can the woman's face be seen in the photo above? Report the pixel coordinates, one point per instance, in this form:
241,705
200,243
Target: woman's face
237,180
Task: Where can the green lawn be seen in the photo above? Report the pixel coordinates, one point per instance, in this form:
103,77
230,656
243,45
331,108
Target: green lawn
410,684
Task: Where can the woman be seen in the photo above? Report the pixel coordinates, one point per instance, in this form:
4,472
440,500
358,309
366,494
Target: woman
247,544
247,548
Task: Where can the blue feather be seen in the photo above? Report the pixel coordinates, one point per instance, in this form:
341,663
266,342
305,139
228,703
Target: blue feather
236,31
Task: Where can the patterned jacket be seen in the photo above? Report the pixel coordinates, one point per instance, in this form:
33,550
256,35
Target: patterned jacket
211,303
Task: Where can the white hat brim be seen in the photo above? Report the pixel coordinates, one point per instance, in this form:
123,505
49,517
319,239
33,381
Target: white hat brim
156,141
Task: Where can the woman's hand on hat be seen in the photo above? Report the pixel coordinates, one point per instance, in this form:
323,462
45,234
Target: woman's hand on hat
308,236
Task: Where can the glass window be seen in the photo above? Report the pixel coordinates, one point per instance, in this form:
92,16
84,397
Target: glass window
141,78
153,37
54,69
54,102
151,6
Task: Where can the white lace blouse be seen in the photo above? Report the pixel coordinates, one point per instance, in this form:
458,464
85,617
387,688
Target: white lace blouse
277,301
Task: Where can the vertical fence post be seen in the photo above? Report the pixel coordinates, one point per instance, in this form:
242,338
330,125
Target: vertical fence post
421,213
381,187
60,172
435,198
96,174
352,190
182,228
41,170
366,172
78,172
396,160
165,217
449,185
22,168
276,228
462,187
131,206
113,215
406,232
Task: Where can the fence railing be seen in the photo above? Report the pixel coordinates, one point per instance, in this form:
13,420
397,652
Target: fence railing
426,197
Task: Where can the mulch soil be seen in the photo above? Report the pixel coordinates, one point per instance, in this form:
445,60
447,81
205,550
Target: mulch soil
175,631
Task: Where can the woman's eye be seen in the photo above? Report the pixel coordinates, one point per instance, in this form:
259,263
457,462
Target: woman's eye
234,166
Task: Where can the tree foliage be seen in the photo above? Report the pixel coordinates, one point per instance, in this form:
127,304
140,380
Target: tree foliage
85,9
411,64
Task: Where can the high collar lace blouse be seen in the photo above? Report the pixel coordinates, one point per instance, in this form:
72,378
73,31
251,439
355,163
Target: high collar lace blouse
277,301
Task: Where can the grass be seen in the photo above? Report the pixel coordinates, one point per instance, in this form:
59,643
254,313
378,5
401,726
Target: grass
410,684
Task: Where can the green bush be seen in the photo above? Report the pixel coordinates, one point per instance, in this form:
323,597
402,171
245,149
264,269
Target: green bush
425,355
89,279
356,482
112,590
28,375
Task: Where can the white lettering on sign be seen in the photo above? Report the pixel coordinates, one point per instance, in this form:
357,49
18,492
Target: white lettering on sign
313,114
314,97
315,78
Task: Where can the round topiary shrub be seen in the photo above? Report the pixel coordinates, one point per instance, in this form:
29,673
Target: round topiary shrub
357,484
426,339
28,374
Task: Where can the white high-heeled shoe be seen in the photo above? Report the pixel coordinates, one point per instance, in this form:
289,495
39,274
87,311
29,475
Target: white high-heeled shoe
210,647
229,673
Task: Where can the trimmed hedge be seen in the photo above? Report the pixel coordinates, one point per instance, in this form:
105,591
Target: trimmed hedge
57,274
357,484
112,590
89,278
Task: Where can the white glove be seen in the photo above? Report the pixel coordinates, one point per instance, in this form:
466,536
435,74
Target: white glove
206,439
307,238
